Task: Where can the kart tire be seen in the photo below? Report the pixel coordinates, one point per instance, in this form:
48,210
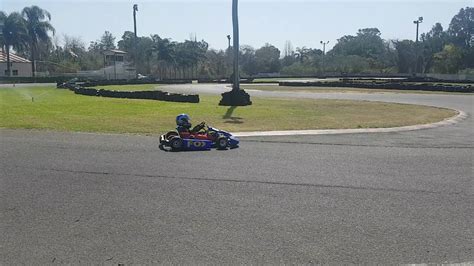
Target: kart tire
222,143
171,134
176,143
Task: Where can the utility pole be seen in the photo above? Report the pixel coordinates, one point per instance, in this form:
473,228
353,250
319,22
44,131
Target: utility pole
228,38
324,54
135,10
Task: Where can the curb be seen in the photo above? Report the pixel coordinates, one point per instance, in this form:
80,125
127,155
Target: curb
448,121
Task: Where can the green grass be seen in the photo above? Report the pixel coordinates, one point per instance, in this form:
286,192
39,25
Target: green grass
62,110
338,89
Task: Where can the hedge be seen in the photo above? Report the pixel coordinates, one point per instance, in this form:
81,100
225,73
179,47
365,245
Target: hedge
387,85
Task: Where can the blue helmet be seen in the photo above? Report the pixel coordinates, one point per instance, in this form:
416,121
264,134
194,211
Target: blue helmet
182,120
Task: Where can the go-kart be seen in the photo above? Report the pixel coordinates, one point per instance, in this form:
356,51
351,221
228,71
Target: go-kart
201,137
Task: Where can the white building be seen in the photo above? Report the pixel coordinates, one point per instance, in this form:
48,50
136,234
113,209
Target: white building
20,66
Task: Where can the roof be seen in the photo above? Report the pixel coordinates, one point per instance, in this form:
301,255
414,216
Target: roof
13,58
114,51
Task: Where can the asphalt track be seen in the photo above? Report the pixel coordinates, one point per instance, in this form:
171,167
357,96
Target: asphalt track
400,197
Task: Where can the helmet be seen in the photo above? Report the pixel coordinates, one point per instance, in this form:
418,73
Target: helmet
182,120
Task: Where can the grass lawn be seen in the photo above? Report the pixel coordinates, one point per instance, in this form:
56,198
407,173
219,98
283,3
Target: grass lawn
62,110
337,89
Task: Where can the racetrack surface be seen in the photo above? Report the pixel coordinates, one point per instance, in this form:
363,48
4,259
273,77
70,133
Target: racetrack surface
403,197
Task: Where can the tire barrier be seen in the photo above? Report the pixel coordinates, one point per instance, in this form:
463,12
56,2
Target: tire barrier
142,95
93,83
225,81
388,86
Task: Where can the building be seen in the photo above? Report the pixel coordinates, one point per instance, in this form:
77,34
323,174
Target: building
20,66
116,65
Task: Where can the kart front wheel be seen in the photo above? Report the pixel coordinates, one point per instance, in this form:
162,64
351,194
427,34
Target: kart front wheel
222,143
176,143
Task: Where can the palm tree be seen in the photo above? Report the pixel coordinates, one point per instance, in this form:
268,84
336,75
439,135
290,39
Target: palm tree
3,17
302,53
38,26
235,25
14,34
235,97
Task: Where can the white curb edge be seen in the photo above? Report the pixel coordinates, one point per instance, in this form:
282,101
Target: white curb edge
448,121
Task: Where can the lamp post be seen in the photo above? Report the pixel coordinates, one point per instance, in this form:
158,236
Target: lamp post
324,53
417,22
228,38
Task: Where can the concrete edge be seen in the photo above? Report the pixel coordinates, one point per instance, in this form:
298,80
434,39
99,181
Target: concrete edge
446,122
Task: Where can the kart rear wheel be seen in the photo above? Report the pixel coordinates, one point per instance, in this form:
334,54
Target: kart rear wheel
222,143
176,143
171,134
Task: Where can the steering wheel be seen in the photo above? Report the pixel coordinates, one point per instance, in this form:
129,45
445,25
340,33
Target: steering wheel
199,127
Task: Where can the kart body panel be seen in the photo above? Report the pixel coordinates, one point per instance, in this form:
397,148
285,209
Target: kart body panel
199,141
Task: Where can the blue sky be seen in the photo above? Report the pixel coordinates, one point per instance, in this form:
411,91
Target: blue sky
304,23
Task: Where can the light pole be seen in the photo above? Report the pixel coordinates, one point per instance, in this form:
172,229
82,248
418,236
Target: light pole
324,54
417,22
228,38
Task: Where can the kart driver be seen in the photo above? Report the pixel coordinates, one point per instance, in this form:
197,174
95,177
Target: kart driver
184,124
182,121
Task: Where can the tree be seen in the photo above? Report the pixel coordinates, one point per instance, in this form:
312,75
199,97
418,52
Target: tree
432,42
461,28
247,57
367,43
301,54
268,59
288,50
235,30
107,41
38,27
448,61
237,96
14,34
164,50
406,55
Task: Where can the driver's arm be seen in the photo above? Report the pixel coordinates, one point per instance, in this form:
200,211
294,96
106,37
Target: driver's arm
199,127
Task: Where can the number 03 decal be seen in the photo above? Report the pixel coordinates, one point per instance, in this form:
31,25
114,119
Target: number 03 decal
197,144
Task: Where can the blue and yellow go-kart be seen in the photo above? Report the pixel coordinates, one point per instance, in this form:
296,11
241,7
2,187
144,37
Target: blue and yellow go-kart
202,137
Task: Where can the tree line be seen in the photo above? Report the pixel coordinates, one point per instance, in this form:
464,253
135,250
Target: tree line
29,33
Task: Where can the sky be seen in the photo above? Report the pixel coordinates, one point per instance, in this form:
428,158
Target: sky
304,23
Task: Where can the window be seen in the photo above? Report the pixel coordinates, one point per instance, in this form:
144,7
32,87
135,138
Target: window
119,58
15,72
6,72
